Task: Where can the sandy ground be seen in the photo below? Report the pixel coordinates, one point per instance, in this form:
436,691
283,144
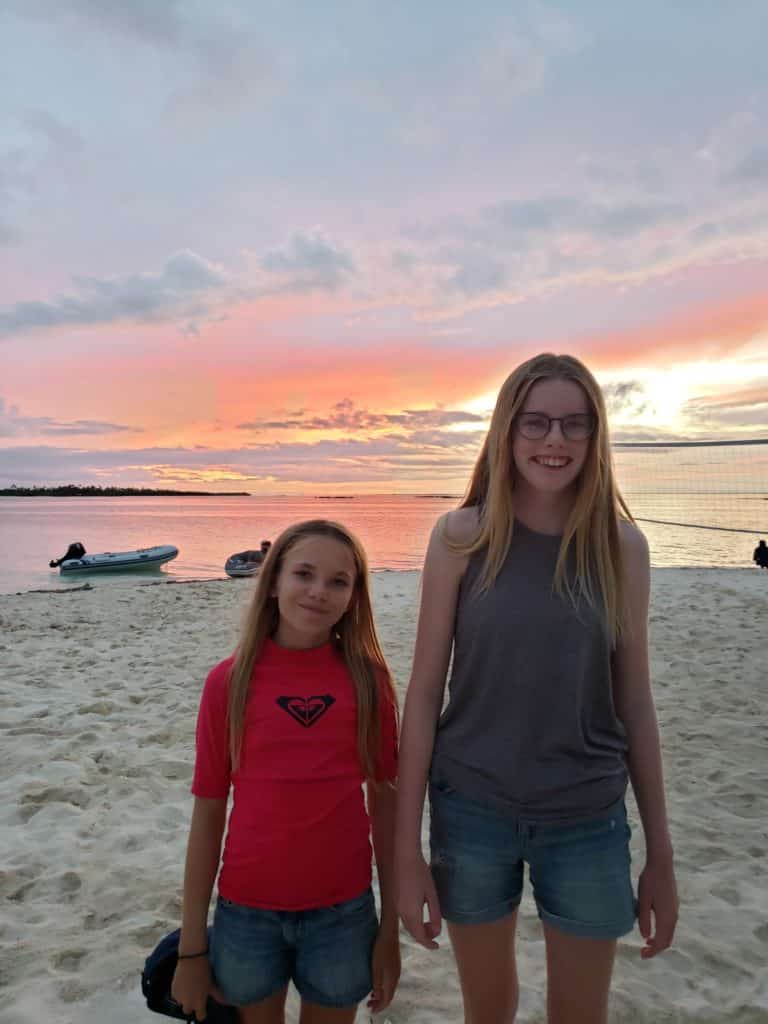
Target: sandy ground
98,695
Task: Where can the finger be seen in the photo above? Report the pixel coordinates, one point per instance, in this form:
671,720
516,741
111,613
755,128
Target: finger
665,930
386,997
376,988
380,998
420,934
202,1008
219,996
433,913
644,917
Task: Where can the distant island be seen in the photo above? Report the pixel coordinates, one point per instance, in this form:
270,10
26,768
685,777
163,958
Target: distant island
75,491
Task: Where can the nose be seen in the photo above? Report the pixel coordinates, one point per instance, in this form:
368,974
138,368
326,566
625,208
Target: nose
555,425
317,590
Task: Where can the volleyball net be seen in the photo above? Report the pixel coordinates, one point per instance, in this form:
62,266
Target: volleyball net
711,494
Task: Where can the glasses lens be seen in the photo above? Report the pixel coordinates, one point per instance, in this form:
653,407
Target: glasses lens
578,427
533,425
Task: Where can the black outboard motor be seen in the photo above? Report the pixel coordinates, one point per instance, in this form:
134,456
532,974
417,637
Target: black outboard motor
75,550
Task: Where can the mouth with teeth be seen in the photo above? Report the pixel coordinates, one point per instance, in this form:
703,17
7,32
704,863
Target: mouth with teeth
552,461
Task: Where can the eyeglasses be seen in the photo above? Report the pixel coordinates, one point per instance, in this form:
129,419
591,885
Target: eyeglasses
577,426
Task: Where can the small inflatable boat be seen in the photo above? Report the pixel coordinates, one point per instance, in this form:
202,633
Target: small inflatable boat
115,561
243,563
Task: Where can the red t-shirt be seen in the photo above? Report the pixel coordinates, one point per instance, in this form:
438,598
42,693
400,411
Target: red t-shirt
298,833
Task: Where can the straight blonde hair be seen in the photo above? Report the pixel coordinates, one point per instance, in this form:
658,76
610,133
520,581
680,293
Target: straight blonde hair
353,636
592,528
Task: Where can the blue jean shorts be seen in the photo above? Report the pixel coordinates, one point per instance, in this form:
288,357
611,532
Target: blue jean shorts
326,952
580,874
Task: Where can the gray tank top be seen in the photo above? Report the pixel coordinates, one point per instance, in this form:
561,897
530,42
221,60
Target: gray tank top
530,728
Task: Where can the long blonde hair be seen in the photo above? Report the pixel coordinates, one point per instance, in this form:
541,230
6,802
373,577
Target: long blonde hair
592,528
354,636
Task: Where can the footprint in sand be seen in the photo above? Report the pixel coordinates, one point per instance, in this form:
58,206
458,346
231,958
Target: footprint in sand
31,803
72,991
727,893
68,959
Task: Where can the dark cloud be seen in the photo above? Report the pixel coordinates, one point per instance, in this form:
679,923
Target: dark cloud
344,416
309,263
152,21
179,289
341,461
623,396
13,424
751,170
746,407
230,61
477,275
567,213
9,235
60,136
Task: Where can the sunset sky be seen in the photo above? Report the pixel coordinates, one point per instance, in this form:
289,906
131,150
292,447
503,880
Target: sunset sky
291,247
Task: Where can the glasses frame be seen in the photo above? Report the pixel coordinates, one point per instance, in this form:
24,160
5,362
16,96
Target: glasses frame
556,419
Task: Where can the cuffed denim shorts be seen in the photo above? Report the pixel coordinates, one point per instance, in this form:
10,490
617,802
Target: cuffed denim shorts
580,874
326,952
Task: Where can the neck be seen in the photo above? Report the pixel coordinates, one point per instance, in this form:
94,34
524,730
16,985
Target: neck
294,641
546,513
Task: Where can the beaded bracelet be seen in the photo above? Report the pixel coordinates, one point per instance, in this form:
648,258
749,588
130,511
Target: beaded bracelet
191,956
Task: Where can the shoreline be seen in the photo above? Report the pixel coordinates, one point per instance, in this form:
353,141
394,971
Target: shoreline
127,580
98,698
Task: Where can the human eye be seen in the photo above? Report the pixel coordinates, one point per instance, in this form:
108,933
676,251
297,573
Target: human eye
578,425
533,424
302,573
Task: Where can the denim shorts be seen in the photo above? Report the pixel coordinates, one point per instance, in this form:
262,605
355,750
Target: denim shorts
325,952
580,874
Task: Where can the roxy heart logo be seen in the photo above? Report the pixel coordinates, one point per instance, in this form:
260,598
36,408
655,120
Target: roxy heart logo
306,710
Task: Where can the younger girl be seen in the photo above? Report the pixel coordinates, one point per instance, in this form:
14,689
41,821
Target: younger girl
538,584
295,722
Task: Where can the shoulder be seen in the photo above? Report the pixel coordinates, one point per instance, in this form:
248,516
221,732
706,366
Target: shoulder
634,546
217,680
459,526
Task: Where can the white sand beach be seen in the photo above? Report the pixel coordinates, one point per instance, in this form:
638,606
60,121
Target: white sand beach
98,695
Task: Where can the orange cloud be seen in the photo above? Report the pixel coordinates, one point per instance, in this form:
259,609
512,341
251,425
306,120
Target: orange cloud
712,330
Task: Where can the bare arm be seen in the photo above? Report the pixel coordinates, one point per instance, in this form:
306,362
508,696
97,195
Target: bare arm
635,708
192,980
201,867
381,798
442,574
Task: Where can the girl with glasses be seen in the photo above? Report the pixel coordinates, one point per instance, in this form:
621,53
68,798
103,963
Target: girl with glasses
537,588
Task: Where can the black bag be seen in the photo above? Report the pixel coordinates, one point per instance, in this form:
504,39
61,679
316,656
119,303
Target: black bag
156,981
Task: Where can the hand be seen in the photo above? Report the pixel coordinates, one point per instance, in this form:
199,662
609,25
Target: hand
192,984
386,970
657,895
415,887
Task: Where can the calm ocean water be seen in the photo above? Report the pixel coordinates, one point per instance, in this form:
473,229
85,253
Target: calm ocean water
394,530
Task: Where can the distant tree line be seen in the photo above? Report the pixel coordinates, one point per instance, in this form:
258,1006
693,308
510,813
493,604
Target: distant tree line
78,491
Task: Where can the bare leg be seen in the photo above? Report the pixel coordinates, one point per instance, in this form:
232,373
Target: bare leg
578,977
311,1013
268,1011
485,957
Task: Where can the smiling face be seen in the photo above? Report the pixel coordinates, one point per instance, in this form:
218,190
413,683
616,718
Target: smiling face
553,463
314,588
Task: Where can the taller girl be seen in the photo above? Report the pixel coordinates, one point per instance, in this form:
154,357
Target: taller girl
539,585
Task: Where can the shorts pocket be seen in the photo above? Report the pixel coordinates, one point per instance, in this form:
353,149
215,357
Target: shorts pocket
357,905
226,904
441,788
